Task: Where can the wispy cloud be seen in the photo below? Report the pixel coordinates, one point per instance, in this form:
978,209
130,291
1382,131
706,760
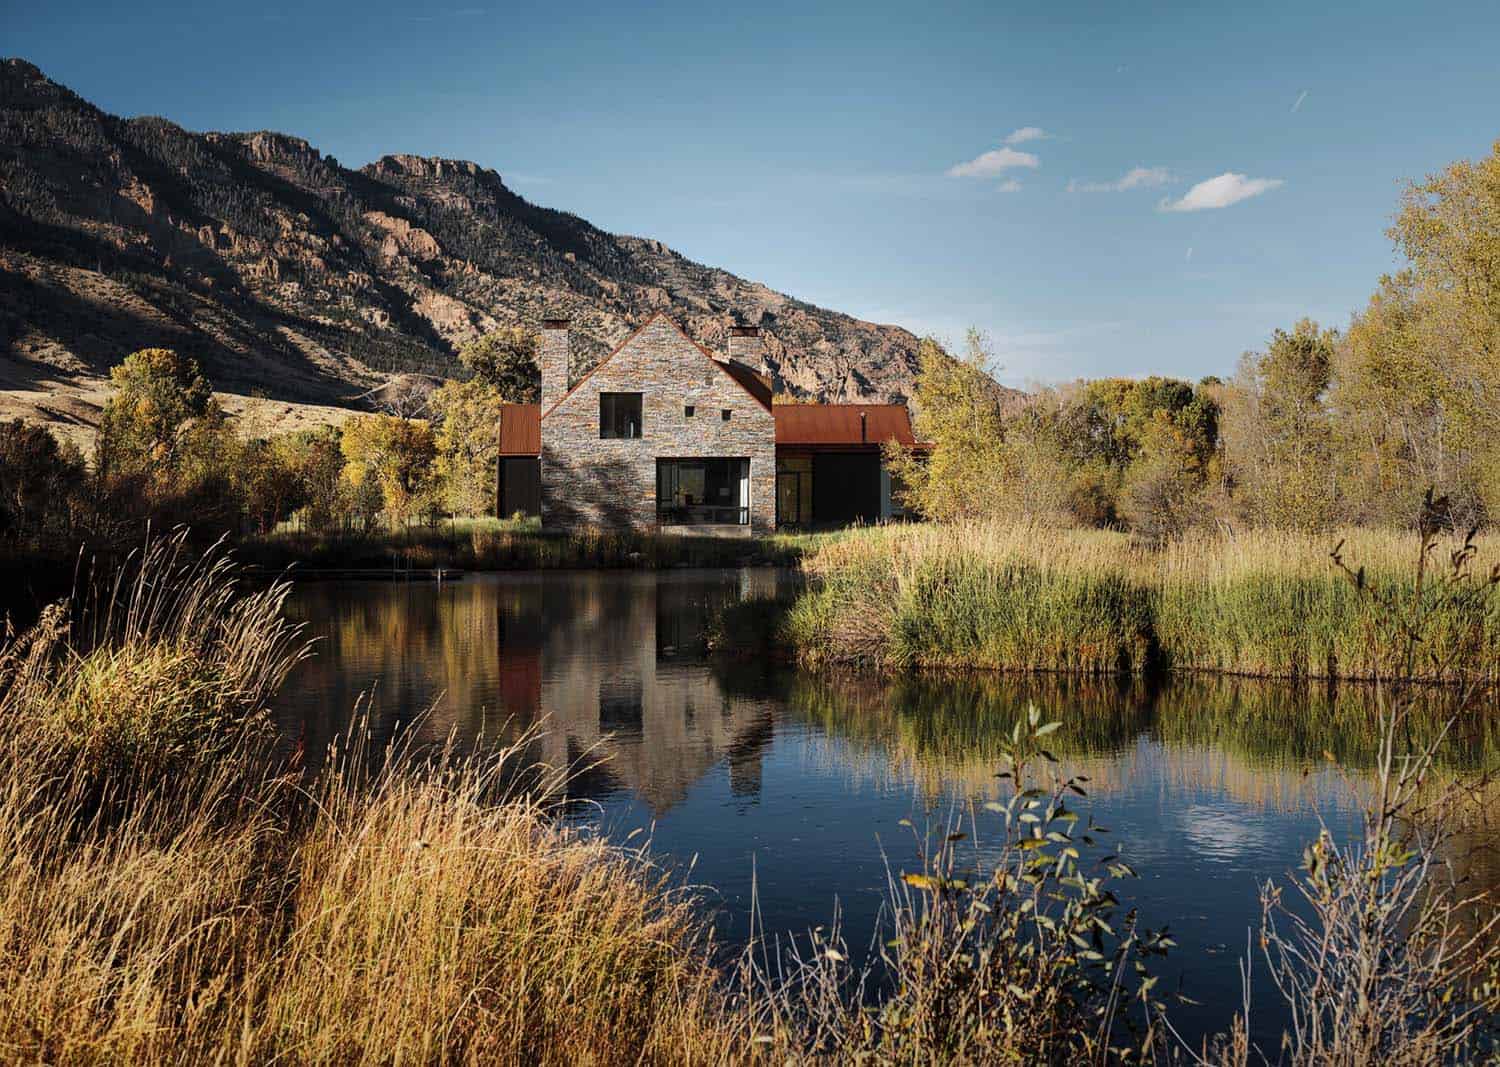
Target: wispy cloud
1009,185
1189,256
1300,99
1135,178
993,163
1228,188
1028,133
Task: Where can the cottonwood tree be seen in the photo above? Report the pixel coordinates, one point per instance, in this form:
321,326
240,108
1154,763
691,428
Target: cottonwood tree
390,460
966,473
1417,392
1278,431
41,487
468,447
507,360
162,412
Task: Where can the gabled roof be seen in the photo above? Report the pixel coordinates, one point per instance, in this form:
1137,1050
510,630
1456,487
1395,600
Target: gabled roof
841,424
755,383
766,403
520,429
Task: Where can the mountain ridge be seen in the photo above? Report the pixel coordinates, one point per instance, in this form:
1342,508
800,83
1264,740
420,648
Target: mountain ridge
289,274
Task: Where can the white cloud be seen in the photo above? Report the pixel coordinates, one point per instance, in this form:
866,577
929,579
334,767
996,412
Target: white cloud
1028,133
1228,188
1010,185
993,163
1135,178
1189,255
1300,99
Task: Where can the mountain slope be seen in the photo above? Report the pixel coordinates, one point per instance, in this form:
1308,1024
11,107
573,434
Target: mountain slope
290,275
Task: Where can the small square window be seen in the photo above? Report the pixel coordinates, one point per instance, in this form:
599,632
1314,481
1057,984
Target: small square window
725,414
687,411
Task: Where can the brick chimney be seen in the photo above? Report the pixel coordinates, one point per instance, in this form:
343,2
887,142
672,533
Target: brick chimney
745,348
554,355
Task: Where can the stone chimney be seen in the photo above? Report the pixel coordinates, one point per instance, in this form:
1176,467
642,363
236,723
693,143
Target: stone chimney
554,356
745,348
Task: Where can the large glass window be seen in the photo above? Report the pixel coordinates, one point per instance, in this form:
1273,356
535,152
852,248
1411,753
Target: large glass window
703,491
619,414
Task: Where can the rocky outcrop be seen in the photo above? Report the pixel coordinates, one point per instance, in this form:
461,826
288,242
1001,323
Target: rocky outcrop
289,274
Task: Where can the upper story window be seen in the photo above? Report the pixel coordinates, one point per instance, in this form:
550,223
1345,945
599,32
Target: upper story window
619,414
726,414
688,411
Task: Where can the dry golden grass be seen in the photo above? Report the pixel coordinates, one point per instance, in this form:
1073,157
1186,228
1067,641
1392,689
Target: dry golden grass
172,893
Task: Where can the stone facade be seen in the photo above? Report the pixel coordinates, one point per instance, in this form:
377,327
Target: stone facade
553,356
590,481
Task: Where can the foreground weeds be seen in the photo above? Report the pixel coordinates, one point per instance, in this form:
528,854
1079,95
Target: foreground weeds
170,893
175,888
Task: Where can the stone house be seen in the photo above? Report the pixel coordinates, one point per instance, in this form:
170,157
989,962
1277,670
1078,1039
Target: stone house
663,434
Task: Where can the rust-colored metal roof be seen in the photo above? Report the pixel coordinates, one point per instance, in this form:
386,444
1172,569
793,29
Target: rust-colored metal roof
842,424
754,382
520,429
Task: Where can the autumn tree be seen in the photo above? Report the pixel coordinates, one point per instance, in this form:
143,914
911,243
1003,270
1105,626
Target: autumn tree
1417,386
468,445
161,419
315,459
1278,430
507,360
391,460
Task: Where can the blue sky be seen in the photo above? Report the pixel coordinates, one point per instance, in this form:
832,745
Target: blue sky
822,149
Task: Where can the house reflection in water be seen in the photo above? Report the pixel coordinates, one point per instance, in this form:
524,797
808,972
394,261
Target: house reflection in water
608,667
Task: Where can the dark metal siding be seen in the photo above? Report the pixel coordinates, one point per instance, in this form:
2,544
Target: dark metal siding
520,485
846,487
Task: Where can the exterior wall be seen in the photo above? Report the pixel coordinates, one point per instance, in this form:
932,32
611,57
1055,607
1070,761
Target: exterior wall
587,481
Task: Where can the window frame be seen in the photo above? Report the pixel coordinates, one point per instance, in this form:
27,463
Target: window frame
608,427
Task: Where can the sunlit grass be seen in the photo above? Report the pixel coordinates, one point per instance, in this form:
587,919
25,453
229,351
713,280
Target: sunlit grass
1021,598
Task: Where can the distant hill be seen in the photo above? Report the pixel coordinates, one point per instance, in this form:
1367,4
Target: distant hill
293,277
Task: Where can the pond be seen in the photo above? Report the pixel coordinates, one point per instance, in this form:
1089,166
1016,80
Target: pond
788,790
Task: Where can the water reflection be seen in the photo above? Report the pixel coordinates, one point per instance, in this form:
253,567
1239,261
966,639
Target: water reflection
792,788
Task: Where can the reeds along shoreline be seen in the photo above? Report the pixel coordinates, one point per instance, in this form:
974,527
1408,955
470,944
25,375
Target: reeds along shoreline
1025,599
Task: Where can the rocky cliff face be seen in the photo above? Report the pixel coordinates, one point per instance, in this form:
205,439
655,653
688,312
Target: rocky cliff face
290,274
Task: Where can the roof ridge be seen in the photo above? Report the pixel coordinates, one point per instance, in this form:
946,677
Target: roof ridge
657,314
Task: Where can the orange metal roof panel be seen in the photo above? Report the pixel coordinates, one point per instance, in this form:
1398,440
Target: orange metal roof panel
840,424
754,383
521,429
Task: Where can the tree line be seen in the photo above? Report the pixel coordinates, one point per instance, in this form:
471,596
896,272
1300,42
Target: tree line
1322,427
166,452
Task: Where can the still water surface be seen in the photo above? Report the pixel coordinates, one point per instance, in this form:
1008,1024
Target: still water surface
761,781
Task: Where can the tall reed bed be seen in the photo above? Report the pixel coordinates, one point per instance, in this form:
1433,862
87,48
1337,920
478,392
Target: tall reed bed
1031,599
